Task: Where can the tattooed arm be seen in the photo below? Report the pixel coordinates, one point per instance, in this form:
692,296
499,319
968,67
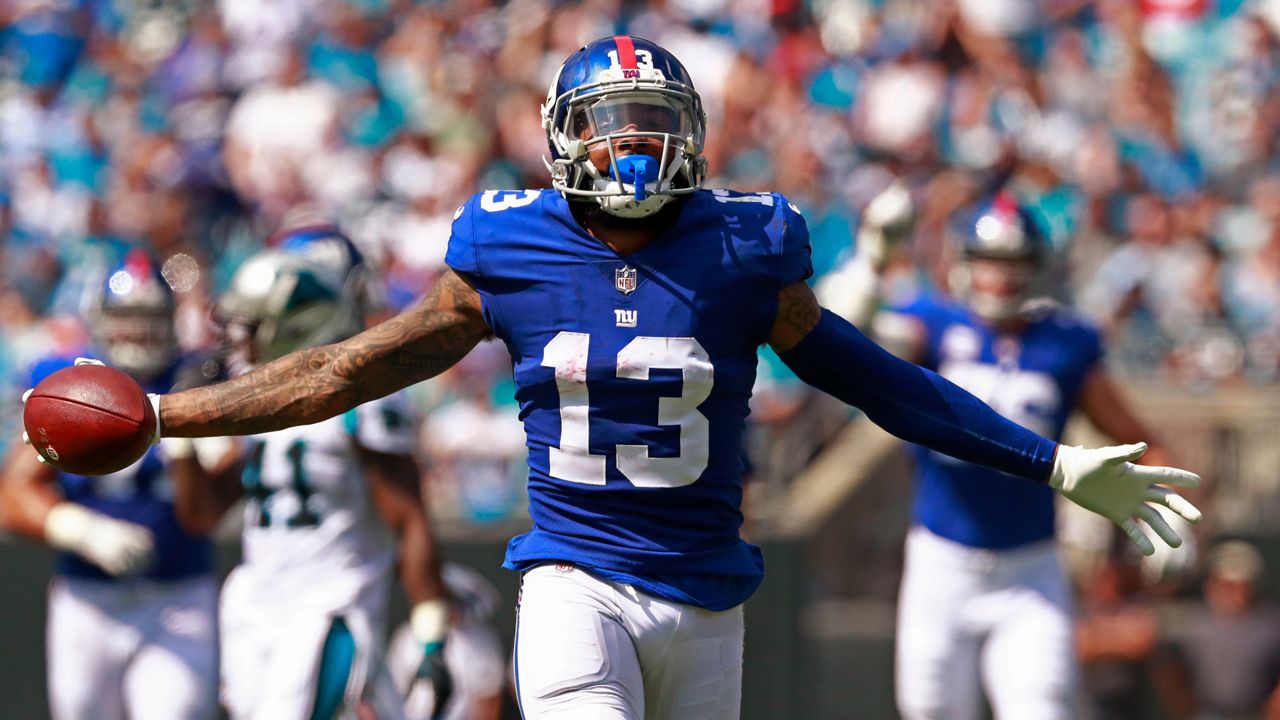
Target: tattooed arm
798,313
311,385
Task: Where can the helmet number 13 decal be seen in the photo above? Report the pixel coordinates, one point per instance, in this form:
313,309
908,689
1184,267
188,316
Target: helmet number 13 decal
644,59
573,460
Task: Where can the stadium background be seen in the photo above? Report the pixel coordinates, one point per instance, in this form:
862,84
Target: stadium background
1144,135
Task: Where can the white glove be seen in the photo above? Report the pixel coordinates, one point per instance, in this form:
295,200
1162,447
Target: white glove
1105,481
119,547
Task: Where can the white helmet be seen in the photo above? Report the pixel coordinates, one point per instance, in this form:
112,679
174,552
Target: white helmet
288,298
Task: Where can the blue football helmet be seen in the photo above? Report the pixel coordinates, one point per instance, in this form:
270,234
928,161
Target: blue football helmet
625,127
133,318
1003,258
310,288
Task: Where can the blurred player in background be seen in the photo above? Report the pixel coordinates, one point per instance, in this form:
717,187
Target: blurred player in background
473,654
632,302
985,600
330,509
132,609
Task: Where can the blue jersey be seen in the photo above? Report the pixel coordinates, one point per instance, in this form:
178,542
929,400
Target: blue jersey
633,375
1032,377
142,494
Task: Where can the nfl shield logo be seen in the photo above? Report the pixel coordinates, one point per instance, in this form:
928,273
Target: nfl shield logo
624,278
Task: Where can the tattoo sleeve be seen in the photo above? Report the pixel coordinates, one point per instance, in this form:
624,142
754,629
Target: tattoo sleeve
311,385
798,313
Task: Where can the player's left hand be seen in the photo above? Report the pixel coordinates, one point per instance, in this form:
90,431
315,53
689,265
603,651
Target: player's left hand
1106,481
433,683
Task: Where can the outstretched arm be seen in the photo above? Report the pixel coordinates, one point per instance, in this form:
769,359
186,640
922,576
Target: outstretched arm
907,400
923,407
311,385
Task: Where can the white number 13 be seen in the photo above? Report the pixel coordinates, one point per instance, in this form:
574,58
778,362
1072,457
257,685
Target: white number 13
573,460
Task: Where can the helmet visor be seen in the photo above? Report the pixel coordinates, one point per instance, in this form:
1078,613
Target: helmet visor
644,113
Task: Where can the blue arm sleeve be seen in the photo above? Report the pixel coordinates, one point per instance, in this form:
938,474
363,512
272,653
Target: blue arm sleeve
915,404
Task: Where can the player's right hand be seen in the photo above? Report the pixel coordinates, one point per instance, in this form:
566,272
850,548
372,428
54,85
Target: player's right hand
152,397
121,548
1106,481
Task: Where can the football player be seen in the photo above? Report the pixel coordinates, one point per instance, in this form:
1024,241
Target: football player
330,508
632,301
131,627
985,601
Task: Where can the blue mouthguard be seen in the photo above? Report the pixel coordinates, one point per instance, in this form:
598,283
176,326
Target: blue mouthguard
637,170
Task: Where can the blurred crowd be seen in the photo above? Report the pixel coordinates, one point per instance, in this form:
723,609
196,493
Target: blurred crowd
1144,135
1216,657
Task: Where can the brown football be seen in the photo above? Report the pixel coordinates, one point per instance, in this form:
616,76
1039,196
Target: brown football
89,420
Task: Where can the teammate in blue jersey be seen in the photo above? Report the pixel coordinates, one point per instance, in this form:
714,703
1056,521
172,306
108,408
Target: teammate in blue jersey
985,601
131,626
632,302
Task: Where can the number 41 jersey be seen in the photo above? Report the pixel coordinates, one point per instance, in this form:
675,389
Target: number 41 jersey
633,375
311,530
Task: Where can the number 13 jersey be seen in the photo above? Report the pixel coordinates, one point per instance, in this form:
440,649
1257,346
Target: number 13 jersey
633,375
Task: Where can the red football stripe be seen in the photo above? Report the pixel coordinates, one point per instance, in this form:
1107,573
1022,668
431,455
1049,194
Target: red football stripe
626,52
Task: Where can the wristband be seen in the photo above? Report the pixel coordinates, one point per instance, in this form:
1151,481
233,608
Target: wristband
155,406
428,621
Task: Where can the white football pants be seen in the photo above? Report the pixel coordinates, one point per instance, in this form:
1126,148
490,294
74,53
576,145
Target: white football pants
140,649
995,620
274,653
588,649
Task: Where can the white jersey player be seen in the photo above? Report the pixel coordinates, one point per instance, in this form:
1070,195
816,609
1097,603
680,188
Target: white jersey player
985,602
304,615
132,607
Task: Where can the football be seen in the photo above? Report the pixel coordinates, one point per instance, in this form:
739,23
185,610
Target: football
89,420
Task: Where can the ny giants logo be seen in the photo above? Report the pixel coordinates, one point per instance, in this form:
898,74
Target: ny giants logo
625,318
